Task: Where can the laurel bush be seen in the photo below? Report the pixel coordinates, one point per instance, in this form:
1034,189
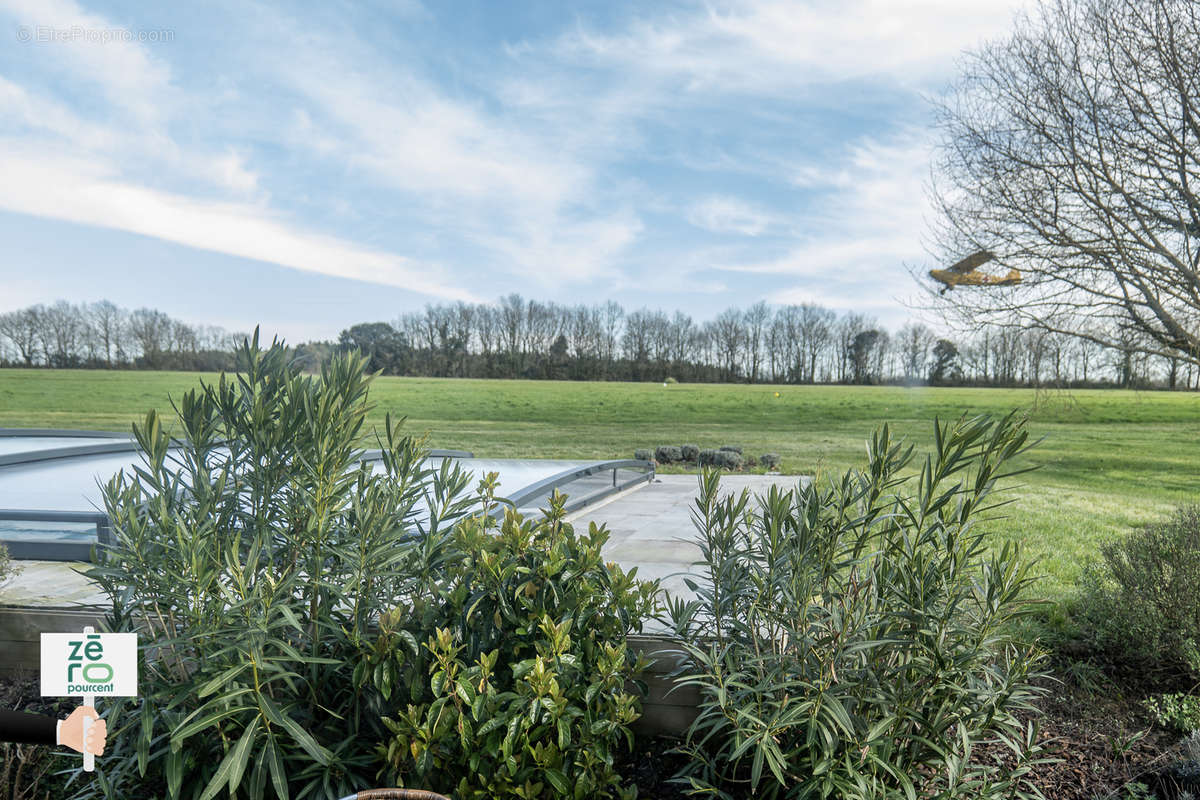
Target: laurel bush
511,671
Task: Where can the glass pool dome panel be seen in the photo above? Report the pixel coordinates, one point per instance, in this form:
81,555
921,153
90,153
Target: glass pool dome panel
51,502
33,444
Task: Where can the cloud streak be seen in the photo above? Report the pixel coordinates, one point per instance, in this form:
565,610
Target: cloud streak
77,191
778,45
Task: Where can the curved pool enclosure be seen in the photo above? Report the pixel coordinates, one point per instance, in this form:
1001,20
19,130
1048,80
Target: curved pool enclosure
51,506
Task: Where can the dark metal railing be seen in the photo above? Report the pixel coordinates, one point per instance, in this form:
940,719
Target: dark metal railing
377,455
61,433
126,445
78,451
56,550
544,487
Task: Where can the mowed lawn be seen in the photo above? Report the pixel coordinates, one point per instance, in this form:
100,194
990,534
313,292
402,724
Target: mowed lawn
1110,459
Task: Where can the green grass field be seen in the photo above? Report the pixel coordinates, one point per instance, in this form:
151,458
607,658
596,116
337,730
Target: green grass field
1110,459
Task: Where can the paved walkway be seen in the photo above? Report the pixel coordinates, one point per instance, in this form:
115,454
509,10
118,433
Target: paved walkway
651,524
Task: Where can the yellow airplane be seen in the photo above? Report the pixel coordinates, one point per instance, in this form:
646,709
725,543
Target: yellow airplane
966,273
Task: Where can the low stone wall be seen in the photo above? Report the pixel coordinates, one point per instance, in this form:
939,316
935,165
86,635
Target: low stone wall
667,709
21,629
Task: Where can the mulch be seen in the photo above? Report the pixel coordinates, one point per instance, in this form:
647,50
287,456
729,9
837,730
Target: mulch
1100,739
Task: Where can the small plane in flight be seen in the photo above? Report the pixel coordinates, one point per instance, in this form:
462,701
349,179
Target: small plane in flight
966,273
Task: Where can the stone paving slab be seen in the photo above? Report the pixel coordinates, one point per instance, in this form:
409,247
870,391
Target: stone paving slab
652,528
51,584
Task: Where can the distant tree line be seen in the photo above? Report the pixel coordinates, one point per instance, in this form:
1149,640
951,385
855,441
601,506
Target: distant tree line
520,338
104,335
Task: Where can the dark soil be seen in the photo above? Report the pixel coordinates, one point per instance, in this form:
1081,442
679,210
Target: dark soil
1099,738
651,766
27,771
1102,740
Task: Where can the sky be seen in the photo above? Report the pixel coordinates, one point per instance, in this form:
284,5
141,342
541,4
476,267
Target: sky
307,166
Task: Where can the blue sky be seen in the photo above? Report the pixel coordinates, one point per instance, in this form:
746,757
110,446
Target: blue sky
307,166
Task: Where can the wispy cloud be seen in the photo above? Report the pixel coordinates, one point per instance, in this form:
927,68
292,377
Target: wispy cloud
773,45
519,190
89,171
47,185
125,73
871,221
729,215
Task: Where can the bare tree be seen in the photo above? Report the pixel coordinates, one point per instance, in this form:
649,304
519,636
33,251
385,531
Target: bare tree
107,322
1071,151
781,347
21,329
512,329
815,330
637,342
846,334
151,331
462,328
62,333
914,342
681,334
612,316
487,326
729,337
1086,356
756,320
584,332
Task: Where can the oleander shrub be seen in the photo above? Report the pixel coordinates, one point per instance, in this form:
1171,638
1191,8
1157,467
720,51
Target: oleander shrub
854,639
730,448
254,561
643,455
707,458
510,669
690,453
1139,604
668,454
769,460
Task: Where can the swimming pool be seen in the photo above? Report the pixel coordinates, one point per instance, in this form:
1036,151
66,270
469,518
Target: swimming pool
51,504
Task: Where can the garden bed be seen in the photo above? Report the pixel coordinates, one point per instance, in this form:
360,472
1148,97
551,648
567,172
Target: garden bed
1093,733
1100,741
